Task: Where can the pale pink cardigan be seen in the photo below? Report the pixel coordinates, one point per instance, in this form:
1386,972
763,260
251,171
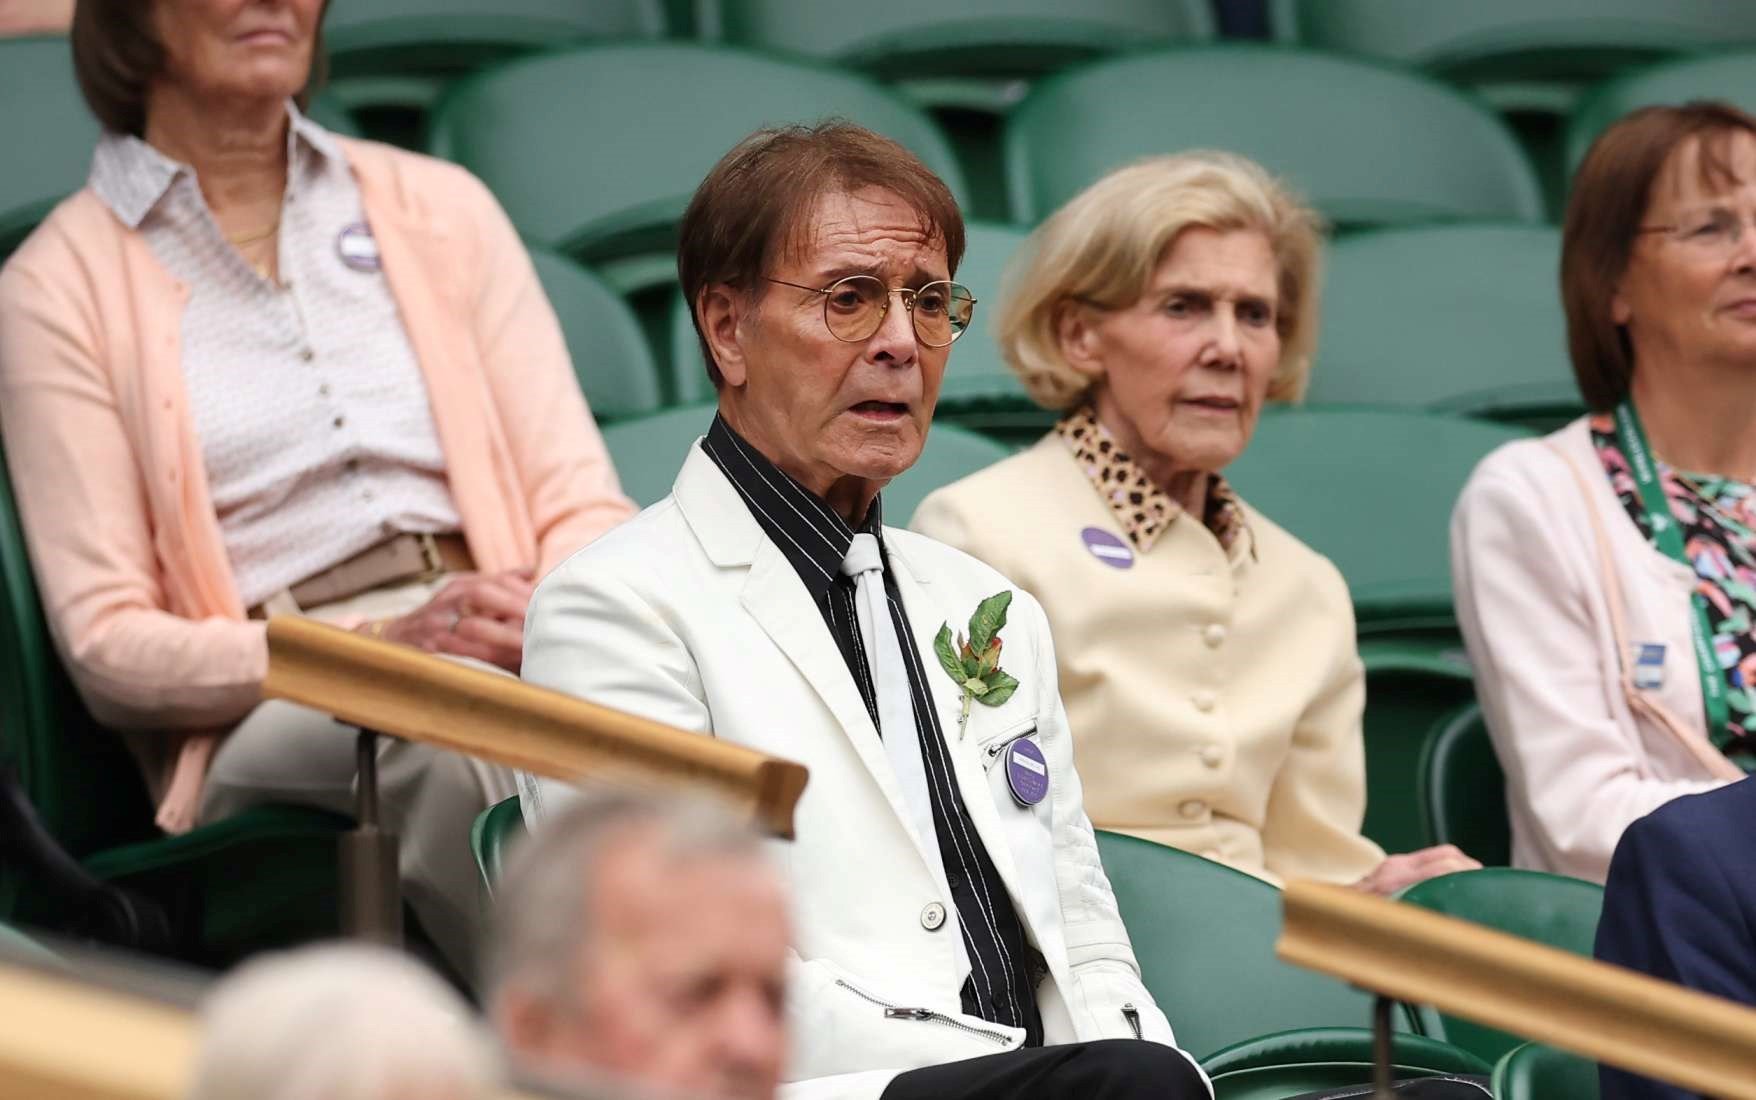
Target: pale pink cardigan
108,472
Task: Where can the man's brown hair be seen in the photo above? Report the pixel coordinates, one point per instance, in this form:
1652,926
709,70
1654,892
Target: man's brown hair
758,200
117,55
1608,202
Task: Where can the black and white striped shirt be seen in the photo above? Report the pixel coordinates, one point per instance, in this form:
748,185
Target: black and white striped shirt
1004,969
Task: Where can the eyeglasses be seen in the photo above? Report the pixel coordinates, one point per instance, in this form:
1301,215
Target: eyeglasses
855,307
1718,231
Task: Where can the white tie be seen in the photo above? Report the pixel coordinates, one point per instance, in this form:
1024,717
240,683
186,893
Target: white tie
896,712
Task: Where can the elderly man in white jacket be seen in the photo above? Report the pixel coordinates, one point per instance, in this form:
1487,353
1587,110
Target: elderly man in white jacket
955,935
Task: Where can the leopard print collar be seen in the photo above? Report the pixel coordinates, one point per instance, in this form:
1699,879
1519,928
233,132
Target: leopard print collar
1144,510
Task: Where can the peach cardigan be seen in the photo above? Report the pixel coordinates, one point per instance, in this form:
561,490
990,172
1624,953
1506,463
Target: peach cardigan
108,472
1554,588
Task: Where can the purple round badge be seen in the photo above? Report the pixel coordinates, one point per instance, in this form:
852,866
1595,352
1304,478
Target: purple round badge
358,248
1027,773
1107,548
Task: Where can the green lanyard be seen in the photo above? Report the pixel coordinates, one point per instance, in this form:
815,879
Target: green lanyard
1668,536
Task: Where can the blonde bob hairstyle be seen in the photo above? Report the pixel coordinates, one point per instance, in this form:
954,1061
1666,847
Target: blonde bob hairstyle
1103,246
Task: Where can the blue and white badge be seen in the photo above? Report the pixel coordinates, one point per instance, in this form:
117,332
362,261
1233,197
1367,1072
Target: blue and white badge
1027,772
358,248
1107,548
1649,666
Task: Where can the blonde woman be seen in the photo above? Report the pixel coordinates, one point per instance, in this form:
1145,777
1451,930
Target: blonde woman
1206,656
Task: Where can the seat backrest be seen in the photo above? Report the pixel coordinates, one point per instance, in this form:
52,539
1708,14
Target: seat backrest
82,782
552,135
492,835
976,375
1550,909
1460,318
1462,790
1537,1072
1533,39
1411,683
47,130
968,38
1728,76
1204,936
1365,143
1330,476
611,357
413,36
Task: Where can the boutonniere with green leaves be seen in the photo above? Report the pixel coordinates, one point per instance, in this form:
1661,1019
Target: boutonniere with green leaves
974,662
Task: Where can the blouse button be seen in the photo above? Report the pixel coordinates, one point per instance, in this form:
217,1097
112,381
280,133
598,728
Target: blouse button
1213,635
1203,701
1213,756
1192,808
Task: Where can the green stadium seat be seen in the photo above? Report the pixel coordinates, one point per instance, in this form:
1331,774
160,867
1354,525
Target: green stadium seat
1320,1059
1372,490
610,354
1459,318
648,453
390,60
264,878
979,390
1461,789
492,835
1728,76
1521,53
1537,1072
577,170
1365,143
1204,936
1006,38
1550,909
1411,683
50,133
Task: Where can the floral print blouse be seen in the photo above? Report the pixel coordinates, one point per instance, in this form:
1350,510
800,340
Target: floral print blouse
1718,520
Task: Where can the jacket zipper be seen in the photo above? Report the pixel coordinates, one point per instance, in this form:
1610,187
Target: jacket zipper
1132,1015
895,1012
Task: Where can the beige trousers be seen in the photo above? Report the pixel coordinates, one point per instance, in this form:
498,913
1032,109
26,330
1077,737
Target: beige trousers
286,753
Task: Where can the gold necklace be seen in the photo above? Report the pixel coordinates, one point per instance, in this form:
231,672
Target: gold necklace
252,238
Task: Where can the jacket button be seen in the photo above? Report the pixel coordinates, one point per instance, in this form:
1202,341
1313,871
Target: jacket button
1203,701
1213,755
1213,635
1192,808
933,916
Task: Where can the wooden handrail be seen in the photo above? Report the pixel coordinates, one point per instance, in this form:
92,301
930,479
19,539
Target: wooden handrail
1608,1013
407,693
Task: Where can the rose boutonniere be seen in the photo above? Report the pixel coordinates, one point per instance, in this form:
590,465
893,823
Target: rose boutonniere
974,662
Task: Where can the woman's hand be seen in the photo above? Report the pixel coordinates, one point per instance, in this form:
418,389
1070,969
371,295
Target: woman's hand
479,615
1409,868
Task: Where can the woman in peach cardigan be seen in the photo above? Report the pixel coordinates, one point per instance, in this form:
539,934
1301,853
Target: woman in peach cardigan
1606,575
255,368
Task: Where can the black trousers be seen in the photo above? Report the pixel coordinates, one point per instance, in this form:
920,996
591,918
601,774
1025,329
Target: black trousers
1109,1069
1112,1069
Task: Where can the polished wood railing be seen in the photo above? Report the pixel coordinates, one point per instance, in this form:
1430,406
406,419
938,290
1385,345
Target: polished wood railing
1604,1012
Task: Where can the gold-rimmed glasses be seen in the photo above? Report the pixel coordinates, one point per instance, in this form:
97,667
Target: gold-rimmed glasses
854,308
1717,230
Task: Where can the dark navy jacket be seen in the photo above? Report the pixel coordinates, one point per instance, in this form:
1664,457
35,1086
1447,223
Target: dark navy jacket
1680,904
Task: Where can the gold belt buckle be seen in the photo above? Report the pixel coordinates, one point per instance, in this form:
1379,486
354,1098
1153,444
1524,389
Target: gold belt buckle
430,554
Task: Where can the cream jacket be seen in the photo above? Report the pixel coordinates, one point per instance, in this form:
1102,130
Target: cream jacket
689,615
1215,699
108,471
1554,585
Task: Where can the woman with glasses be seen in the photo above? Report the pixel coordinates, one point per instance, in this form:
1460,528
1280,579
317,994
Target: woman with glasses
1606,575
1206,656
